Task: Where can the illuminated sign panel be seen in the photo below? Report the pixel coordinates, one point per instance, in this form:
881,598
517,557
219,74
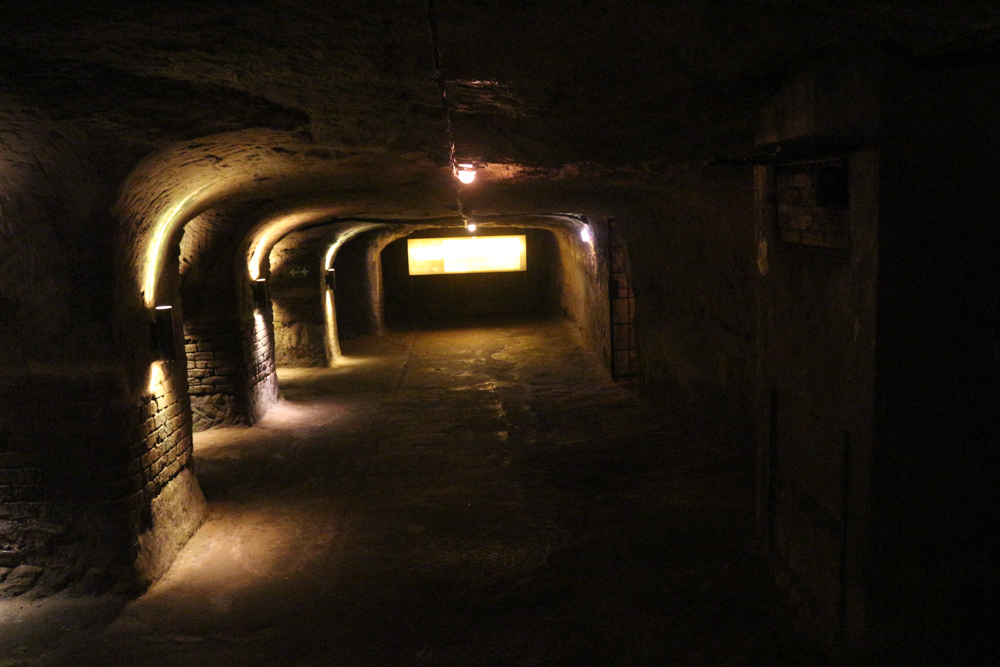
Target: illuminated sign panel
477,254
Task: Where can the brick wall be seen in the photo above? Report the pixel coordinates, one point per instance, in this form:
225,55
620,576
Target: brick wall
214,375
62,490
261,381
230,370
229,355
63,416
163,448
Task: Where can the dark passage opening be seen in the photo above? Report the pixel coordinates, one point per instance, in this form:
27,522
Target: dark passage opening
471,298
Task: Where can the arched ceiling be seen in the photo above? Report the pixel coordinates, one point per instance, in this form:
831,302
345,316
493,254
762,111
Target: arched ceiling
543,91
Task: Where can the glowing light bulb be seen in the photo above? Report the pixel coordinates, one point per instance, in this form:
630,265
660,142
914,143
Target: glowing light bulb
471,226
466,173
585,235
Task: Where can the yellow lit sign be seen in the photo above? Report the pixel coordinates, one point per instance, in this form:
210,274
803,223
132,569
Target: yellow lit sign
479,254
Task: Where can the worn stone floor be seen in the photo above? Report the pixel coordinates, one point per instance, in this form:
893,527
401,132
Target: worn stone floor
467,497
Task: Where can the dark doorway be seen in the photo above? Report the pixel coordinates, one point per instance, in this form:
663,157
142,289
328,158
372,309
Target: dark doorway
471,298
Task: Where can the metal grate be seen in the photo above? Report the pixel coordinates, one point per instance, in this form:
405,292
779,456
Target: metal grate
624,355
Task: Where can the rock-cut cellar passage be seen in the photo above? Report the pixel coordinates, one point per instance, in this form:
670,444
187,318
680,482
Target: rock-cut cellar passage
477,496
772,224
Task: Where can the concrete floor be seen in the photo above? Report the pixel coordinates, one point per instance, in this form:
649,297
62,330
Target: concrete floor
455,497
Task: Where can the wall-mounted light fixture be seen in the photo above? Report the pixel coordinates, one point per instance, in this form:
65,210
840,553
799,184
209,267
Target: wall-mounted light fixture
585,234
470,226
331,278
162,340
261,295
465,171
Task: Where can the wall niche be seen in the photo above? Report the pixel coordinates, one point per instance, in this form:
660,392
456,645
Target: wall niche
813,200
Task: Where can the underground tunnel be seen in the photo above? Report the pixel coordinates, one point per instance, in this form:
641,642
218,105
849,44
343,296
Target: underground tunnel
731,399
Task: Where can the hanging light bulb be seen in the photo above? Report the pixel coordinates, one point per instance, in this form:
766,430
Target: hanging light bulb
470,226
466,173
162,334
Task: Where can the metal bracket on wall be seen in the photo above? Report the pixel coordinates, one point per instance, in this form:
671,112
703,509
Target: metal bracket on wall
162,339
261,294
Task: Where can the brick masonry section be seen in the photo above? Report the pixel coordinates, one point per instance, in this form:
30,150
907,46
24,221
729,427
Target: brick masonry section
62,511
164,446
214,373
231,375
262,383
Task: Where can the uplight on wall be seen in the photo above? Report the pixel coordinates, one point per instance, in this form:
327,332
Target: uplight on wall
261,296
162,340
482,254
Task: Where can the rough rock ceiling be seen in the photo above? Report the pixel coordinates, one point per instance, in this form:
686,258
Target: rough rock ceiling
535,83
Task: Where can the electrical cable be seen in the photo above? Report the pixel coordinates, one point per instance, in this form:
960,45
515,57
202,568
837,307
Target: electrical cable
432,24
